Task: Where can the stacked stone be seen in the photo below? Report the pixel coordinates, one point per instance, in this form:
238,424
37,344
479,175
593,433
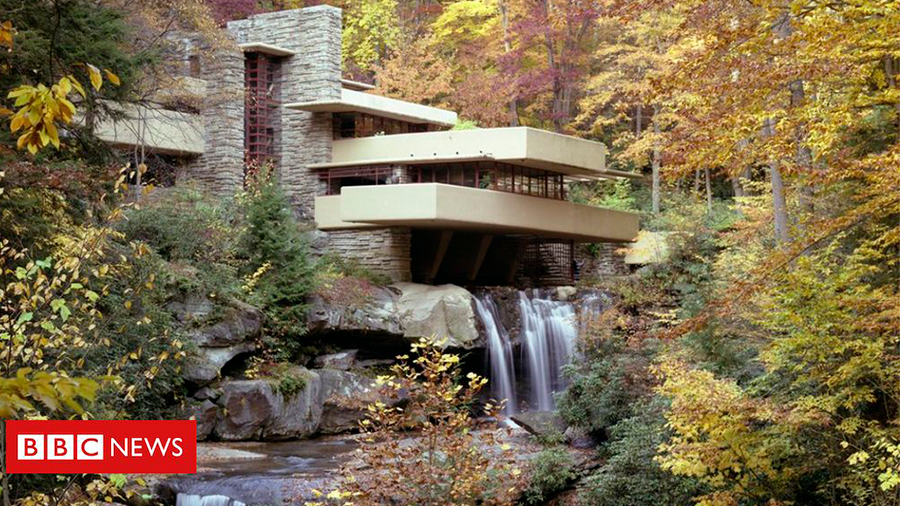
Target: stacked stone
383,251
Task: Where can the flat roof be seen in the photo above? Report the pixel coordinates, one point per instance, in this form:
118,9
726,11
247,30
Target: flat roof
261,47
523,146
376,105
356,85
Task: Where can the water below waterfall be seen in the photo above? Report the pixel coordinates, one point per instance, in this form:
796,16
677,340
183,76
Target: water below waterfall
528,372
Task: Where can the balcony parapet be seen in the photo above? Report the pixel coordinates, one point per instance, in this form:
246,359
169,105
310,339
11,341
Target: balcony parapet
157,129
448,207
522,146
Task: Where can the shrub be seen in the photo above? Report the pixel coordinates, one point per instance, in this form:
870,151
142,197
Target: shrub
278,260
194,233
613,376
631,476
448,462
551,472
287,380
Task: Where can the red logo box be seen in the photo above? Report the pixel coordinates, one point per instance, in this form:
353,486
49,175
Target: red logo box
101,446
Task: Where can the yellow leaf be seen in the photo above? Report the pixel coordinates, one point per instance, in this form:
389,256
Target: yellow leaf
96,78
77,85
112,77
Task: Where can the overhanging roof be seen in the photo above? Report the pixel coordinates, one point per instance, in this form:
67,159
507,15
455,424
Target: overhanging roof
521,146
260,47
376,105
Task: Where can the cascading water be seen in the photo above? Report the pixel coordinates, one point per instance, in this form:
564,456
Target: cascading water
500,353
547,337
205,500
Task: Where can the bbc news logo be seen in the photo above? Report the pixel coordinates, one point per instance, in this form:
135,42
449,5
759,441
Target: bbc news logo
101,446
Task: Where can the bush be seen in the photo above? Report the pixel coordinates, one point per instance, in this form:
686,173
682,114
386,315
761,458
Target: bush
551,472
287,380
144,345
194,233
279,267
631,476
613,376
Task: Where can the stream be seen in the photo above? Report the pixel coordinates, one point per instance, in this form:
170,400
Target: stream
235,474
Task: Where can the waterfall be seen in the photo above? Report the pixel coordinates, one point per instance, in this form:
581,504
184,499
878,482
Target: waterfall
548,329
500,354
548,337
205,500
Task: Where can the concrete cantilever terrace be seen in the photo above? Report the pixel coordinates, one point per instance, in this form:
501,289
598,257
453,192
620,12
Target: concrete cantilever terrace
523,146
449,207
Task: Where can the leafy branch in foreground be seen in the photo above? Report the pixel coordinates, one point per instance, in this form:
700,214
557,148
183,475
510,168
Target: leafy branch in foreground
432,451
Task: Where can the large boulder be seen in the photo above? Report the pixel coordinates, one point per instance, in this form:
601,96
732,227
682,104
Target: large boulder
218,343
346,396
205,413
255,409
540,423
404,310
239,323
444,311
342,361
378,315
205,363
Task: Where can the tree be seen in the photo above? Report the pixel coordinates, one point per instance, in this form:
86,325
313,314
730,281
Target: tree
621,91
370,33
415,73
551,42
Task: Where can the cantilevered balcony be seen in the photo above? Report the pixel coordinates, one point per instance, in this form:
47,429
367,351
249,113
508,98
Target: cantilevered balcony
449,207
521,146
158,130
353,101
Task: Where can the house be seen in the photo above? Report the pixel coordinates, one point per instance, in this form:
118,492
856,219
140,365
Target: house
389,183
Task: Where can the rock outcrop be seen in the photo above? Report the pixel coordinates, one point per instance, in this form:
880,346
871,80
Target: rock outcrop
444,311
404,310
254,409
218,343
330,402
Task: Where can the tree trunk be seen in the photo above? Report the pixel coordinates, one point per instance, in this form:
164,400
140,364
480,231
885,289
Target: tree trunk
779,206
709,200
504,23
655,161
638,118
737,187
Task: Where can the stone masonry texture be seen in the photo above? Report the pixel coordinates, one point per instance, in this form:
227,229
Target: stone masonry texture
383,250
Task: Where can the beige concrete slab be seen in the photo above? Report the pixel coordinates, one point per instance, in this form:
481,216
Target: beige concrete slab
260,47
158,130
328,215
447,207
522,146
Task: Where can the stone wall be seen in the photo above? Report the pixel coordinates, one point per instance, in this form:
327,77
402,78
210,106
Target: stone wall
608,261
221,168
383,251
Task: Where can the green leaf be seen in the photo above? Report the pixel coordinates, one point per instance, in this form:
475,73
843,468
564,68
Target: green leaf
24,317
